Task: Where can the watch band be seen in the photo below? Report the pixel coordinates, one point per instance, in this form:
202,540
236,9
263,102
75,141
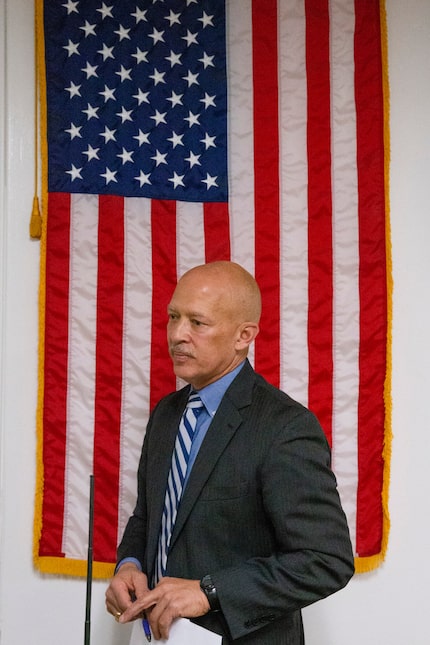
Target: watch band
209,589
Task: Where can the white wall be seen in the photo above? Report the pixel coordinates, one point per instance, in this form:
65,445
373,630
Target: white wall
388,606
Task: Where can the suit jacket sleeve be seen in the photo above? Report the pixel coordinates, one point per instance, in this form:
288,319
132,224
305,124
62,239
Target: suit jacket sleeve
311,555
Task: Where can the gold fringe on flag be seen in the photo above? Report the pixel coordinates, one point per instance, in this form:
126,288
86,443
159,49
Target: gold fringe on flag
40,94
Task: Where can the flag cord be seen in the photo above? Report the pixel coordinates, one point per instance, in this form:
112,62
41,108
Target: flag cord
36,219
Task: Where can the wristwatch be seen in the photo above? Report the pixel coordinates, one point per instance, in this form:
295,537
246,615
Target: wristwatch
209,589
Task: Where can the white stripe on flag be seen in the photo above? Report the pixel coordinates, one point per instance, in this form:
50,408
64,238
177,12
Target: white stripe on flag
136,348
241,135
190,245
346,259
241,132
293,201
81,371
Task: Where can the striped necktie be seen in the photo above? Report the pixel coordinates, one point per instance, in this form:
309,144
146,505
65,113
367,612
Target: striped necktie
176,478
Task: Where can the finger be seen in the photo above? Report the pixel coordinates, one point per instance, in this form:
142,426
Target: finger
114,611
135,610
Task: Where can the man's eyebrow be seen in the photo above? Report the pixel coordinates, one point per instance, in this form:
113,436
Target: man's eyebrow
188,314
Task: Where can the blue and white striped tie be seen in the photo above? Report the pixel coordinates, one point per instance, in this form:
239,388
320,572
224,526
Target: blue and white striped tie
176,478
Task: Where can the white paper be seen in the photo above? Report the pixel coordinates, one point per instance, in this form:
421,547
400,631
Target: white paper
182,632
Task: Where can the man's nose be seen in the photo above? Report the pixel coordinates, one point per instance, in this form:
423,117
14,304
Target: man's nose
178,330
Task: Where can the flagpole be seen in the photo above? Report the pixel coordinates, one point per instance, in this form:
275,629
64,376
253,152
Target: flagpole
89,565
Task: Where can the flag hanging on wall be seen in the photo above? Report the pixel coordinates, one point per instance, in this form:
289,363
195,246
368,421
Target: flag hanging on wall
183,131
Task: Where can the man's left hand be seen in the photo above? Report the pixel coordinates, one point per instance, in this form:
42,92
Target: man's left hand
172,598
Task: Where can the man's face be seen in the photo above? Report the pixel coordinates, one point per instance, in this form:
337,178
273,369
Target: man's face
202,333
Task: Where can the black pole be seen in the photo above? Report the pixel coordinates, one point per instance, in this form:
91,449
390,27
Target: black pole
89,565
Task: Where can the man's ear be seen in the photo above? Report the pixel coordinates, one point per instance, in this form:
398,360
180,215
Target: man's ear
247,333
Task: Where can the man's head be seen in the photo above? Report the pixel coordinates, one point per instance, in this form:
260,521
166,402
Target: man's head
213,318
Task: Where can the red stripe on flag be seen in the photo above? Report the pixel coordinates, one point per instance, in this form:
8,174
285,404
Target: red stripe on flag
320,314
217,231
55,371
266,169
373,290
164,276
110,299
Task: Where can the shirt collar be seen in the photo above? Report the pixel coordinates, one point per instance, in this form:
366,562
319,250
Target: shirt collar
212,394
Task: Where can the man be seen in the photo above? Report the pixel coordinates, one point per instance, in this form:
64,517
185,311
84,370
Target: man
259,531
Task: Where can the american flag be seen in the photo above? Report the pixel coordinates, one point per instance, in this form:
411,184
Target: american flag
177,132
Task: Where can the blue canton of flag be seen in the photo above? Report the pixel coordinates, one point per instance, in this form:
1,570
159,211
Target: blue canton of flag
137,98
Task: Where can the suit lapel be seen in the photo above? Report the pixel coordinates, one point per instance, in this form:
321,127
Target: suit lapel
163,444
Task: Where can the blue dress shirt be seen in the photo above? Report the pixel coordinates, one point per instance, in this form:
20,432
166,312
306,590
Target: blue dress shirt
211,396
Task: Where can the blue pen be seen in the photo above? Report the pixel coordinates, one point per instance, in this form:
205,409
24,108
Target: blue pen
146,629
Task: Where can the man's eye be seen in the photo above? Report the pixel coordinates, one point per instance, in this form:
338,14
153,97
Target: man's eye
197,323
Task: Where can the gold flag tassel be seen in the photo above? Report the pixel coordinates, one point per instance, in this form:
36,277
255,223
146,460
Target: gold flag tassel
36,220
36,217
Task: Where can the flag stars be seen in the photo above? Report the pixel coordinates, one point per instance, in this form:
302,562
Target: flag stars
140,15
108,135
72,48
157,36
90,70
71,7
206,20
142,137
142,97
125,115
159,117
123,33
159,157
143,178
88,29
75,173
105,11
177,153
191,78
177,180
91,153
174,59
193,159
74,131
193,119
210,181
208,101
173,18
109,176
91,112
207,61
73,89
208,141
126,156
140,56
158,77
190,38
124,74
106,52
108,94
175,99
176,139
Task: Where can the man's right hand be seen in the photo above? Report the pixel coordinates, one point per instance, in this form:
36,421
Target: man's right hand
127,585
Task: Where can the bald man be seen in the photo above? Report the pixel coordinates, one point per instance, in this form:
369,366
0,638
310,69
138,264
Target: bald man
259,531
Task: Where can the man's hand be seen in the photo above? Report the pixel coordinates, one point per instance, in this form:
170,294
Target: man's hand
127,585
172,598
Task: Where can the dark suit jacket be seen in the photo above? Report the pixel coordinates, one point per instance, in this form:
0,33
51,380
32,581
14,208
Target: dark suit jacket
260,513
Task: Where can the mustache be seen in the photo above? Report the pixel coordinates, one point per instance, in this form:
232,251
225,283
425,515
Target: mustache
177,348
